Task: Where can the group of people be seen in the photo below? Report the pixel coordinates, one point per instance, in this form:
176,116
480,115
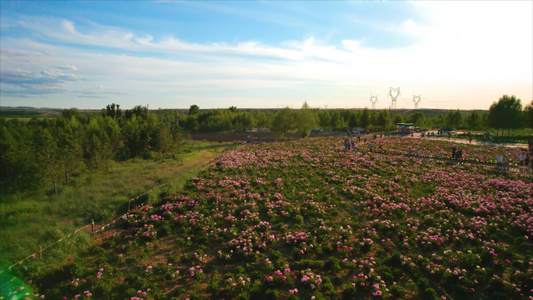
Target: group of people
419,153
349,144
457,154
502,163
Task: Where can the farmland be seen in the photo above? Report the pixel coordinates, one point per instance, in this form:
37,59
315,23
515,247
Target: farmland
305,219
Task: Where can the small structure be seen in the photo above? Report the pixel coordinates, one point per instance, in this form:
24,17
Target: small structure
405,128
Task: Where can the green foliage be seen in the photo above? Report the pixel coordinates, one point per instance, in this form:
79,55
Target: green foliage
194,109
364,120
112,111
473,121
384,120
353,120
528,115
305,120
282,122
453,119
418,118
506,113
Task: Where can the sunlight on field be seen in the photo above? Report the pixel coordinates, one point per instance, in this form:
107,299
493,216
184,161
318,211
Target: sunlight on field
305,218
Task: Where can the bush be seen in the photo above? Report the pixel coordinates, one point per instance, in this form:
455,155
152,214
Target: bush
430,293
397,291
332,264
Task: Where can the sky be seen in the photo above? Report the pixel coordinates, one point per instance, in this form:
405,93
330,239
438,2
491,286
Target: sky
265,54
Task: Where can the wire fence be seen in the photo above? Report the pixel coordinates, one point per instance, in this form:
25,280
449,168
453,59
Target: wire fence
100,228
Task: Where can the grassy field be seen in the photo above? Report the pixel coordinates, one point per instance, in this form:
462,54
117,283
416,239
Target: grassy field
36,218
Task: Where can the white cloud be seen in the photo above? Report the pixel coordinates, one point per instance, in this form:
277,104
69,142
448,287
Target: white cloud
463,48
68,26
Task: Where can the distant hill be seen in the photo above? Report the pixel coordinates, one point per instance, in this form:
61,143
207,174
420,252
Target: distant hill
28,112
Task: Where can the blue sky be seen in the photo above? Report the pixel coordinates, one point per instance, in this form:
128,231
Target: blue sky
264,54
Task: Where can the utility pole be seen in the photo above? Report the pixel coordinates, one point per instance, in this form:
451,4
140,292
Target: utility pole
373,99
394,93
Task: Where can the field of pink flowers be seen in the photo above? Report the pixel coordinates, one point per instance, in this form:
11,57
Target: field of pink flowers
305,219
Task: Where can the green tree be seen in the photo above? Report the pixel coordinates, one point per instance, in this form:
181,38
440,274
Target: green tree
305,120
324,119
112,110
69,113
261,118
194,109
112,141
163,139
374,115
353,120
137,136
364,120
528,115
398,119
418,118
282,122
94,140
49,156
139,111
506,113
69,146
384,119
336,121
17,157
473,121
243,120
453,119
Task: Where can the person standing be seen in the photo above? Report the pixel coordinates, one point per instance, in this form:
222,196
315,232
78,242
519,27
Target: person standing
526,163
410,151
498,162
505,163
521,159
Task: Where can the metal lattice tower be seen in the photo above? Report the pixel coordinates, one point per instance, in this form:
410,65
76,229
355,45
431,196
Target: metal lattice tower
373,99
394,93
416,100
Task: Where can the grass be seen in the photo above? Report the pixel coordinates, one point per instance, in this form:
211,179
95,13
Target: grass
34,218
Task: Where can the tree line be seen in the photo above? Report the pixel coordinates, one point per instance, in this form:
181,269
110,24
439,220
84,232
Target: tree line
48,151
505,114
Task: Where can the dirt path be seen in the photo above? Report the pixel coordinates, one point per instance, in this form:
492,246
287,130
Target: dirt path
474,142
